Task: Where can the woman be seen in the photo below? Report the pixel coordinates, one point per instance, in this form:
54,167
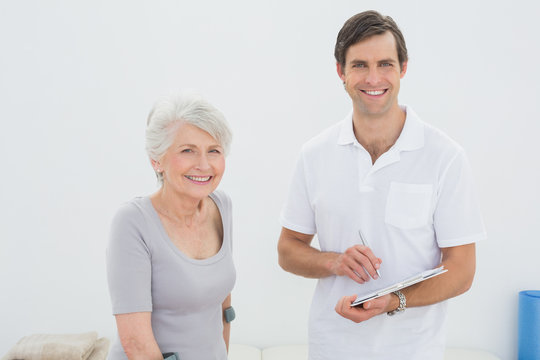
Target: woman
169,260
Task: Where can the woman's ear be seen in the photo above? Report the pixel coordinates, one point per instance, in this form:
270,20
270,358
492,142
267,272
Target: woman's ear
156,165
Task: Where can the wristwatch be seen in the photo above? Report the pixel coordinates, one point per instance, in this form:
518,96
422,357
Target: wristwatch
402,303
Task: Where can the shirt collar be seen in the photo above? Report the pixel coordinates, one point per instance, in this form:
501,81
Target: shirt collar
346,134
411,137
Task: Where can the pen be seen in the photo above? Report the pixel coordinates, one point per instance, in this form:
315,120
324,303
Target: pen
365,243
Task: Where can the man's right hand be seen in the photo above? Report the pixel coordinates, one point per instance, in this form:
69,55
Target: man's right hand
296,255
357,262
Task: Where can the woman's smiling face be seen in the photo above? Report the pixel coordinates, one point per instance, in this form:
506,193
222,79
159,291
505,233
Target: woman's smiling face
194,164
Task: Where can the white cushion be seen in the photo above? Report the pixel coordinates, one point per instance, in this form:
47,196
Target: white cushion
468,354
244,352
300,352
288,352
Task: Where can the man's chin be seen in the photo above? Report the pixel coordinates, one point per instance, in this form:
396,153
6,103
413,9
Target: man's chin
373,111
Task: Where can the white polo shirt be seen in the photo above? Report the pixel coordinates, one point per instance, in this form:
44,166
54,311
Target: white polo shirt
417,198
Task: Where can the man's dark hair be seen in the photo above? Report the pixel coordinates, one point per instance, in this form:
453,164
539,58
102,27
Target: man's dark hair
364,25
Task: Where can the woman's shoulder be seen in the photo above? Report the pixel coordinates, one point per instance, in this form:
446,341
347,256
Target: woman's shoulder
133,224
133,210
222,199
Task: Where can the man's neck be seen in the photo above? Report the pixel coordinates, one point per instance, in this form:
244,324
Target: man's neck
379,133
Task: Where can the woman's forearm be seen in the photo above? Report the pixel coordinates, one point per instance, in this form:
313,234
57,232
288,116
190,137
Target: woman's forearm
226,325
136,336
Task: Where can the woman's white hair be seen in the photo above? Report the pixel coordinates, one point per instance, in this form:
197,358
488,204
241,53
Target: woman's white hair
174,110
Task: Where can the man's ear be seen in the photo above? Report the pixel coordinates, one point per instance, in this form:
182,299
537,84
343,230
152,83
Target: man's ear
340,71
403,69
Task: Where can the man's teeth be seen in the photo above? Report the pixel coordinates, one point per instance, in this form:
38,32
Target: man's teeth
198,178
374,92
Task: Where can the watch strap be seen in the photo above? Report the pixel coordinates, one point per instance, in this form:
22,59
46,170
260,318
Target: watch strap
171,356
229,314
402,303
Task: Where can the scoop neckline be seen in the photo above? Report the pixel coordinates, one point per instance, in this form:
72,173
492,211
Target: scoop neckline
165,237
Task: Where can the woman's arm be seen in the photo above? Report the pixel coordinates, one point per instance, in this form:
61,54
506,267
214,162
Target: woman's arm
137,337
226,325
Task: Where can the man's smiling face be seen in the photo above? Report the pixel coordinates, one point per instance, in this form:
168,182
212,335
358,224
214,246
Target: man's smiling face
372,74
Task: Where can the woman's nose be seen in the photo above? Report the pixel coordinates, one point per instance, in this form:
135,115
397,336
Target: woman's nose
203,163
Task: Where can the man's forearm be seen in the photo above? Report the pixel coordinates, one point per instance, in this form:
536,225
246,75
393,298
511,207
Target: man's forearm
300,258
297,256
460,261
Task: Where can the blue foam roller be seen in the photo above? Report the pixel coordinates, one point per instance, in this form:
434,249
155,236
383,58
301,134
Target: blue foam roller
529,325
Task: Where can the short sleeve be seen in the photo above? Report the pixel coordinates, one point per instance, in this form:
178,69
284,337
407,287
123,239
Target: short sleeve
297,214
129,270
457,218
225,206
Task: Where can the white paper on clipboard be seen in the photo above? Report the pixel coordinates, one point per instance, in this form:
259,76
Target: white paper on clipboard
400,285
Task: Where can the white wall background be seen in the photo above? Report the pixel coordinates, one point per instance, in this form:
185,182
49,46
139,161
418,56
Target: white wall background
78,78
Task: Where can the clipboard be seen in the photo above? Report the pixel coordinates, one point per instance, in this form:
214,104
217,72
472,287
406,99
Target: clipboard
400,285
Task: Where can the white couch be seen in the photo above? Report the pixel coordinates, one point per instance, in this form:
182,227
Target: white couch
299,352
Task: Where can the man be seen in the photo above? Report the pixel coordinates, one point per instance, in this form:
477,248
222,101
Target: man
405,185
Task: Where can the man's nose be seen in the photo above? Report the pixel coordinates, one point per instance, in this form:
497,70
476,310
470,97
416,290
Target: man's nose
373,76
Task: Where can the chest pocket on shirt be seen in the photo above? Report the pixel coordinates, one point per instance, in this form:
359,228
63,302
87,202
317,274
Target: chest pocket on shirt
408,205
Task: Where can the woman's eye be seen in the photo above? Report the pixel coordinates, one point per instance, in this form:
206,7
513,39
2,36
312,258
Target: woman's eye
215,151
187,150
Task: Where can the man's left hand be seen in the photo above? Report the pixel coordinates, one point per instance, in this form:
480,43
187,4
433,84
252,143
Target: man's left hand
365,311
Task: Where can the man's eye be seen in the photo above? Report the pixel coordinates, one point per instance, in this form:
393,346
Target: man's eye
386,64
358,65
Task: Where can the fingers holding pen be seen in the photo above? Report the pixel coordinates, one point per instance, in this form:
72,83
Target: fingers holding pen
358,263
365,260
354,261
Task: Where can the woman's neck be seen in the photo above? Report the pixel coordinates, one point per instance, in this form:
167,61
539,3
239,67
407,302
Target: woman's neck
181,210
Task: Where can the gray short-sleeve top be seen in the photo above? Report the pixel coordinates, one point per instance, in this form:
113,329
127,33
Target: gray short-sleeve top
147,272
